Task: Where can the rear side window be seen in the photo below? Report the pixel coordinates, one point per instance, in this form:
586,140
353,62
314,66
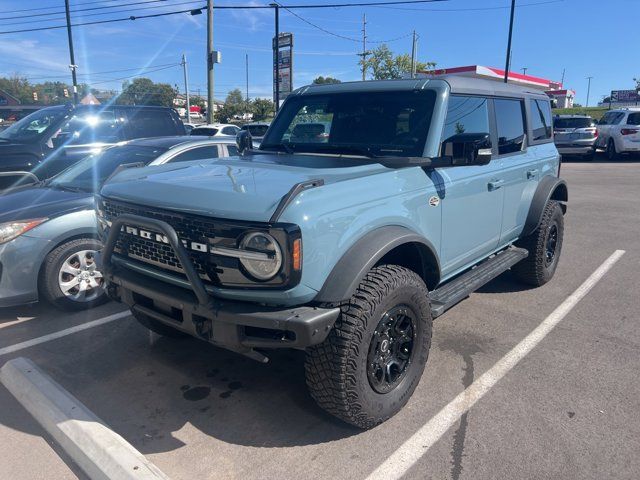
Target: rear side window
465,115
540,119
200,153
510,123
634,119
151,123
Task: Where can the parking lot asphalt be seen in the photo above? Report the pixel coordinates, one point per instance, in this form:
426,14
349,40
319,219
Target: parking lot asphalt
567,410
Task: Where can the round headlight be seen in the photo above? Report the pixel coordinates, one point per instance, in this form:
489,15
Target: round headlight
261,269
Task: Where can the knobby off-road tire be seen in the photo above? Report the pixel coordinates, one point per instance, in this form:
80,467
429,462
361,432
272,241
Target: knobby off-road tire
158,327
544,252
69,278
340,371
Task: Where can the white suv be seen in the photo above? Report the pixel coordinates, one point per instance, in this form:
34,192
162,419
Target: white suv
215,130
619,132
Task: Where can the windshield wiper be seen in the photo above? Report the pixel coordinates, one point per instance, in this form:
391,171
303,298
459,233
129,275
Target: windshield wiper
69,188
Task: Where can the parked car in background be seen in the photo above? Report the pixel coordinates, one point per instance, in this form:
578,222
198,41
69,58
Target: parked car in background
257,130
54,138
190,126
215,129
619,132
48,234
575,135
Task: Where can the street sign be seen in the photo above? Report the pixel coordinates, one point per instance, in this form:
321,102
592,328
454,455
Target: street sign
282,66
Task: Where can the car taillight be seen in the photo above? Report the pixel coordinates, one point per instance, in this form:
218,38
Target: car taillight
628,131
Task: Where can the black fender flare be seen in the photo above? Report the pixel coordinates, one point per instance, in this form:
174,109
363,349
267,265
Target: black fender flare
363,255
549,188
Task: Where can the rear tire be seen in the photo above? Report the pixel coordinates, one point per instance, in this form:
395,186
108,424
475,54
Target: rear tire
372,361
157,326
544,246
69,279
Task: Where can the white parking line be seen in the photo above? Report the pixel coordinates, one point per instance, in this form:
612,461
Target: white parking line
417,445
63,333
16,322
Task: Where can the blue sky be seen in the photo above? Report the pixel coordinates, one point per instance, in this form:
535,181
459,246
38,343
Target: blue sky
584,37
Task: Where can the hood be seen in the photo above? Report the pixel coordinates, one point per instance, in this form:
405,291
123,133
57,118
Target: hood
242,188
38,202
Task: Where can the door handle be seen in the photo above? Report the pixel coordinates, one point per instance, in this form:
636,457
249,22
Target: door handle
531,174
495,184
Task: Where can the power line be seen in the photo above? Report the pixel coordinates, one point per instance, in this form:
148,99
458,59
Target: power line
86,9
227,7
56,6
104,13
109,71
469,9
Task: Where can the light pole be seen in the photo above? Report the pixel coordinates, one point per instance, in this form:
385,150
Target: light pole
276,51
524,70
508,62
588,90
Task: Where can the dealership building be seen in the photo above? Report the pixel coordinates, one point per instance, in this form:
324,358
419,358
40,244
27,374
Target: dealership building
563,98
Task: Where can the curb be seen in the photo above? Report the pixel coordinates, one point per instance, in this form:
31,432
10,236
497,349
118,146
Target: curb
100,452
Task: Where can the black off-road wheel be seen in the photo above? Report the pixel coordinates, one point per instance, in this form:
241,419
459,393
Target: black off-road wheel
544,246
158,327
372,361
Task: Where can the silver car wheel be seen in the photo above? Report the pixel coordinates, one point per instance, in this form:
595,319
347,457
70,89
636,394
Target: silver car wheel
78,278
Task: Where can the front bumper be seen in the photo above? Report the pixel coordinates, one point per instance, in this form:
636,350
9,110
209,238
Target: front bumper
235,325
20,261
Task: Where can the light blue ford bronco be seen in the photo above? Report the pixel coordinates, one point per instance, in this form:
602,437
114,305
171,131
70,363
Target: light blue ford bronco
369,209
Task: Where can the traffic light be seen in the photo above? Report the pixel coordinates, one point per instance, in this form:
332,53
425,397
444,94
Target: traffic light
65,93
35,96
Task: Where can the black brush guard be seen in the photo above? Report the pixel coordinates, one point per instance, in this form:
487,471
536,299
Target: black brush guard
237,326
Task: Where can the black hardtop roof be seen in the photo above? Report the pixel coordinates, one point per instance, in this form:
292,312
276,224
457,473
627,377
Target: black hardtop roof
457,83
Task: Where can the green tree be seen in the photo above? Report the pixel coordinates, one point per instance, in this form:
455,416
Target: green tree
381,64
142,91
262,108
234,104
637,80
18,87
323,80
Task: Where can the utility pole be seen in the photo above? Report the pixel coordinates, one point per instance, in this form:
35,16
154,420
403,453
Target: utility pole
588,90
562,81
246,62
508,62
413,55
210,99
524,70
186,86
276,54
73,65
364,53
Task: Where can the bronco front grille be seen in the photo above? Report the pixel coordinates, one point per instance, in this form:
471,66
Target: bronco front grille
189,228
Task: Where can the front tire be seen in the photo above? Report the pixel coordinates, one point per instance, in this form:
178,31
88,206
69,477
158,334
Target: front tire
69,278
544,246
372,361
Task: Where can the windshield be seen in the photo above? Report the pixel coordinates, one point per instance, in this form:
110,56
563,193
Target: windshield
573,123
35,126
392,123
91,172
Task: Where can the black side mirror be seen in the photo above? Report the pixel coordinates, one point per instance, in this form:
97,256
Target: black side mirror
244,141
468,149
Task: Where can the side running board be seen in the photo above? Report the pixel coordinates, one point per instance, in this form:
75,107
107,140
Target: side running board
450,293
